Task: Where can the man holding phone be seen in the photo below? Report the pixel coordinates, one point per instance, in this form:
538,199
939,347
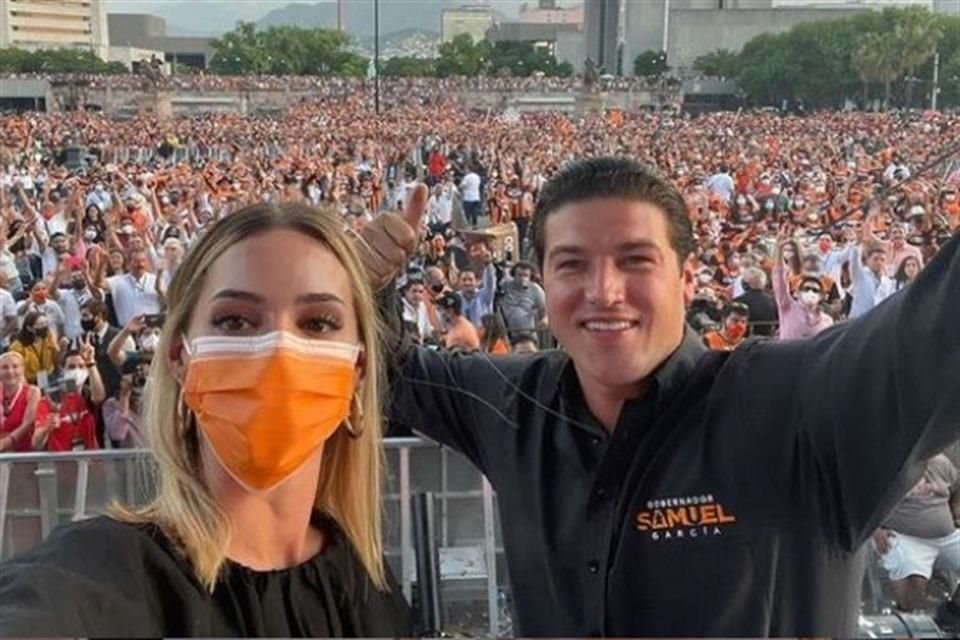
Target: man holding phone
66,417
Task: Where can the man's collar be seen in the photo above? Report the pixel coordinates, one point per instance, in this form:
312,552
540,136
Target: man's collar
677,368
668,378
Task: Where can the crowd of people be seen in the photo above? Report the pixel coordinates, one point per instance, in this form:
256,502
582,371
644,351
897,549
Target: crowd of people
791,236
333,86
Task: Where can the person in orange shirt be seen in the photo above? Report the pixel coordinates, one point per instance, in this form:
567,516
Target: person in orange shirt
493,334
461,334
736,316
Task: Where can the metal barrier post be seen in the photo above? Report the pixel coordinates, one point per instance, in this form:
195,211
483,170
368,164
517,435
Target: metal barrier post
80,497
489,537
46,474
406,537
4,493
444,503
428,565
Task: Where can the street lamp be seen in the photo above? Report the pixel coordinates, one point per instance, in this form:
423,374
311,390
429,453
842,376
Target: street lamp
376,55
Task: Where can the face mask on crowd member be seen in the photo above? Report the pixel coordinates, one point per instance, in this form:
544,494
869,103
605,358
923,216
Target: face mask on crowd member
810,293
38,293
523,274
735,321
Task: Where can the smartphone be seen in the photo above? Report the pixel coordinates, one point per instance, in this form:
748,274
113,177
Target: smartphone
155,320
55,395
70,385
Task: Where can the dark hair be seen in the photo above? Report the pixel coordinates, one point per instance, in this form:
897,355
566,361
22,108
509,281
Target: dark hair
735,308
814,279
522,265
451,302
25,336
97,307
524,336
610,177
493,330
901,276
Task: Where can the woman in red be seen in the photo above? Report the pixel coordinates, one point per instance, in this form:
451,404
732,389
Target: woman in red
19,401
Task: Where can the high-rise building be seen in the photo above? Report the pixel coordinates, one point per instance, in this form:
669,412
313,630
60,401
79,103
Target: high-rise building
49,24
473,20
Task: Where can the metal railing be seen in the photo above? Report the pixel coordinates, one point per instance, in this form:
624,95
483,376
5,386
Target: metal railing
39,491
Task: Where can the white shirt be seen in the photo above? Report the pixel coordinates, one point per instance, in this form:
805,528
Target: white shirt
70,301
8,309
132,298
470,187
721,184
868,289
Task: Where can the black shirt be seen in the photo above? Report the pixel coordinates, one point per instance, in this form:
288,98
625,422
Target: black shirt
106,578
763,309
733,499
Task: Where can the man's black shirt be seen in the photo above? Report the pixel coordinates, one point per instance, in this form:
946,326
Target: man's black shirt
763,310
733,498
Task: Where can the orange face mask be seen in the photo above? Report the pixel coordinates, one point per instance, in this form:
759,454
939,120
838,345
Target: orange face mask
267,404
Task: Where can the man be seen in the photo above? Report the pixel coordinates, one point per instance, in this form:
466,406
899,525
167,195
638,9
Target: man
460,333
523,303
39,301
735,318
135,293
477,302
470,196
760,303
413,294
721,185
897,248
921,531
650,487
8,314
71,298
871,284
70,423
93,321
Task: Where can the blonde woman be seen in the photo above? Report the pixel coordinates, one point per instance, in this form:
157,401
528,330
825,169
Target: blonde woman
264,420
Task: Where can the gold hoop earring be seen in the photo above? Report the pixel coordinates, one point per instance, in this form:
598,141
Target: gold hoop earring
184,414
356,409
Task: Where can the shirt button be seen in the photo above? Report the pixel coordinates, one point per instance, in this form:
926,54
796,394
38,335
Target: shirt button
597,441
593,566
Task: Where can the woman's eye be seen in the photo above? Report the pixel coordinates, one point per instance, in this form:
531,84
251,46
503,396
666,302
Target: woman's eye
233,323
321,324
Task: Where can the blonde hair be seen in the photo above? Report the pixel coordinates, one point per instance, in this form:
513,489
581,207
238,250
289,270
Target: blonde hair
351,469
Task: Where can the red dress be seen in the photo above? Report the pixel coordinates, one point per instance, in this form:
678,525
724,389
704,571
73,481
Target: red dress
13,414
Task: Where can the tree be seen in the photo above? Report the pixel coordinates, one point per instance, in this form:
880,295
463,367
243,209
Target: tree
284,50
917,34
408,67
650,63
461,57
14,60
721,63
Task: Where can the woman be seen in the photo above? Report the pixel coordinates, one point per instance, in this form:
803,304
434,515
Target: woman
264,419
20,401
907,272
493,335
37,346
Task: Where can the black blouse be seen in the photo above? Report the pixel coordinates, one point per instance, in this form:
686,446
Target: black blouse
102,577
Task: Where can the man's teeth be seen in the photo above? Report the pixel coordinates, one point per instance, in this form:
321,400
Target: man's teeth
620,325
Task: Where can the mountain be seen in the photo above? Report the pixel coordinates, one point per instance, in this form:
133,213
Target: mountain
395,15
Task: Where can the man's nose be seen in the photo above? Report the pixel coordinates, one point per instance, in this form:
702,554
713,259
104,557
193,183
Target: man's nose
606,288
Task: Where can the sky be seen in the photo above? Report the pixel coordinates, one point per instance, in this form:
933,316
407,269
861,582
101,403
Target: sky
216,16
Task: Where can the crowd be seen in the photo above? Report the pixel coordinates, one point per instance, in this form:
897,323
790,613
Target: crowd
791,238
337,85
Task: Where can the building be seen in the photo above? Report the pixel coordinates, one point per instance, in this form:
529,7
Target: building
149,33
617,31
872,4
53,24
547,12
471,20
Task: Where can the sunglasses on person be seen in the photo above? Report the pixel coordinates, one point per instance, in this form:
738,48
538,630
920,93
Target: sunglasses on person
811,290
